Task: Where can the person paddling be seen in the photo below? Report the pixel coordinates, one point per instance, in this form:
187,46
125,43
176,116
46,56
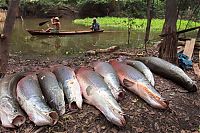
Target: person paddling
95,26
56,25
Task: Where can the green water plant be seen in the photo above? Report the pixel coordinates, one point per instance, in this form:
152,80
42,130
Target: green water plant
137,24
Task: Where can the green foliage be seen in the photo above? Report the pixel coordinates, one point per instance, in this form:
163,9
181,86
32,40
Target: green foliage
133,8
136,24
3,3
189,9
121,8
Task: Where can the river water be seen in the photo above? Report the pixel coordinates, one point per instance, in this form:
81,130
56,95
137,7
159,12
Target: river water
25,44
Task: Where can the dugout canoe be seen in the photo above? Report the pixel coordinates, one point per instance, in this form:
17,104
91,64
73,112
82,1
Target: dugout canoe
41,32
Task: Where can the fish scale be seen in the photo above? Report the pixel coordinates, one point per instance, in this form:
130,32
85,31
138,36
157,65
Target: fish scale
169,71
143,69
11,114
137,83
66,77
54,95
96,92
110,77
31,99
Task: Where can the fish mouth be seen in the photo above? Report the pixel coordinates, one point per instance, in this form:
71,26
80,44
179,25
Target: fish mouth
18,120
50,118
54,116
115,116
160,103
122,122
121,95
156,101
153,99
61,111
117,119
193,88
73,106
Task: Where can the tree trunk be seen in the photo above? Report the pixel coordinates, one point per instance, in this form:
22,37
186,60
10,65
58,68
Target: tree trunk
5,36
198,35
168,48
149,17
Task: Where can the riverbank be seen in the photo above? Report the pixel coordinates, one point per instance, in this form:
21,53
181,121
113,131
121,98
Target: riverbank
182,116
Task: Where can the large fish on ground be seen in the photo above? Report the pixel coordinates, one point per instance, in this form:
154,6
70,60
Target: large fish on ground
31,99
97,93
110,77
10,112
143,69
135,81
52,91
170,71
67,78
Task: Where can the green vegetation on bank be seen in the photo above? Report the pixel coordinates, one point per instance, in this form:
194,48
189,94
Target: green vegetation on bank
136,24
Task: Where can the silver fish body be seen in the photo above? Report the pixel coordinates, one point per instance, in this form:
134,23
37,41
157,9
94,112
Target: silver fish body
53,93
67,78
97,93
110,77
135,81
31,99
10,112
170,71
143,69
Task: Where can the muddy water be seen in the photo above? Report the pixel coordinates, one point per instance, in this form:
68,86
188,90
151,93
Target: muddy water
24,43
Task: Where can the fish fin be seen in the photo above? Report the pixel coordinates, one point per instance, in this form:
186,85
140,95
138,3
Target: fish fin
128,83
88,90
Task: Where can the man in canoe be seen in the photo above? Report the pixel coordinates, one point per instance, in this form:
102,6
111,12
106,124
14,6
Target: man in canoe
56,25
95,26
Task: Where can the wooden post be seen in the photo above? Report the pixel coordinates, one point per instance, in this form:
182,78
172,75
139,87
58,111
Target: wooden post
189,47
6,34
198,36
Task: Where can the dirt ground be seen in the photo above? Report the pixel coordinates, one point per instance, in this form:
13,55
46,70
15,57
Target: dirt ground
183,115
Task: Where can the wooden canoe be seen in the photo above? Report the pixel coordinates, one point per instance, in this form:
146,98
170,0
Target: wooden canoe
41,32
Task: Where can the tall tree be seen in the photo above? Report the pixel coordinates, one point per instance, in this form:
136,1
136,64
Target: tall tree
168,48
6,34
149,17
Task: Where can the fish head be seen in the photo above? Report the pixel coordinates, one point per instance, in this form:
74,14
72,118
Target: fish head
111,113
39,112
61,107
116,89
153,98
147,92
42,118
115,117
121,94
193,87
11,114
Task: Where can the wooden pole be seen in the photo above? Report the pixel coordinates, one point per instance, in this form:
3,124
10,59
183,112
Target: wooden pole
149,17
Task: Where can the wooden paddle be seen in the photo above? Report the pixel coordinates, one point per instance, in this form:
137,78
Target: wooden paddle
44,22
